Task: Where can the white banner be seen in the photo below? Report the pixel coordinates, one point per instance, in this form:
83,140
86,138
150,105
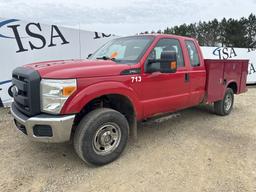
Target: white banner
24,42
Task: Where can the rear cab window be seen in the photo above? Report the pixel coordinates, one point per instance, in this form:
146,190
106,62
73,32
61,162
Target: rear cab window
192,53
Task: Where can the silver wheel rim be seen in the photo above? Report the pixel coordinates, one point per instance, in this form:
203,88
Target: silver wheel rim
107,139
228,102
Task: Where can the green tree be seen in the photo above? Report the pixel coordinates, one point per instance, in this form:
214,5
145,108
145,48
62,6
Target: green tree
231,32
251,30
222,32
235,33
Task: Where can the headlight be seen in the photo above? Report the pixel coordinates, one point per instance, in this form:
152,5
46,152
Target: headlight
54,94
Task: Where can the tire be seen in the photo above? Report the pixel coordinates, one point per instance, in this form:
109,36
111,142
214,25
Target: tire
101,136
225,106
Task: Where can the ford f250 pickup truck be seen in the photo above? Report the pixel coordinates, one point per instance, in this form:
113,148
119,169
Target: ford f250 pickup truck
96,103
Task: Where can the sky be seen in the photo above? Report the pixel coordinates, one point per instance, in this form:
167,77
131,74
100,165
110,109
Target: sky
124,17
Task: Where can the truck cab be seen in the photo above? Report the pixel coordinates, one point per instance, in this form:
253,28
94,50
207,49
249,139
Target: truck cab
165,92
97,102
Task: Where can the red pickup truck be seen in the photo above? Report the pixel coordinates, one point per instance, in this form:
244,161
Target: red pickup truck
97,102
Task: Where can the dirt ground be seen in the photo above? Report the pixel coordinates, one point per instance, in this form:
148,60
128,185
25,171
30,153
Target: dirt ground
197,151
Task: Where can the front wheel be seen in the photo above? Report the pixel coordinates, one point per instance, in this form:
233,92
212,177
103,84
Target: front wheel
225,106
101,136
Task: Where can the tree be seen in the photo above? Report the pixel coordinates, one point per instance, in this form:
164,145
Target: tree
235,33
231,32
251,30
222,32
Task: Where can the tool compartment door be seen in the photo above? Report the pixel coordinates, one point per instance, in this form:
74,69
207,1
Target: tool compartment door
214,79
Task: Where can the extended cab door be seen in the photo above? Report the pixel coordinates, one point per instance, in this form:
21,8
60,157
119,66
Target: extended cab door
196,73
165,92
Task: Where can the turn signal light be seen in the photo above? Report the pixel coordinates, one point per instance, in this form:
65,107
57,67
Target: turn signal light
173,65
67,91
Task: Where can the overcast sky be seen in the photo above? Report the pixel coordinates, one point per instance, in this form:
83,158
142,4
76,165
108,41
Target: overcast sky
124,17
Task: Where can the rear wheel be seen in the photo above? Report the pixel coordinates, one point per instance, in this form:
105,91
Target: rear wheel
225,106
101,136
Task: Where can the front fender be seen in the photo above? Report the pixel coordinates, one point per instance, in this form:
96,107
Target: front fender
84,95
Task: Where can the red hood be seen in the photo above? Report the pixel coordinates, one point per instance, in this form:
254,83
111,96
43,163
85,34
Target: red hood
77,68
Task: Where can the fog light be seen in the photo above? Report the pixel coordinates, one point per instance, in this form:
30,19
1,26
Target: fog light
20,127
42,131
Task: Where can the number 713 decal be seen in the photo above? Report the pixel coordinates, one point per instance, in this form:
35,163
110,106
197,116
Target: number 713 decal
136,79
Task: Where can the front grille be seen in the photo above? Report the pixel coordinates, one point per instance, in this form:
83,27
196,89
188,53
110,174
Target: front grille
27,99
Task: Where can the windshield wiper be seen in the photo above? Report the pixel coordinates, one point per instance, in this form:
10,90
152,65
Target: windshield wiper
106,58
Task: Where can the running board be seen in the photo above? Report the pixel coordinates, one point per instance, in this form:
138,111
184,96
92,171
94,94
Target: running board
162,118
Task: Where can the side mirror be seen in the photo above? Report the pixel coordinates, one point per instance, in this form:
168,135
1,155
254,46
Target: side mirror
89,56
168,62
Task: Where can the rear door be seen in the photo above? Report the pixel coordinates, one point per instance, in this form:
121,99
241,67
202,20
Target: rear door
196,75
165,92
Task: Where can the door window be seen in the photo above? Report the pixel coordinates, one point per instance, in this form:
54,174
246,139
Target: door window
193,54
168,45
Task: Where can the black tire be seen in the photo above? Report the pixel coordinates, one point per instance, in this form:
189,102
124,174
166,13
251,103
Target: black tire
95,128
221,107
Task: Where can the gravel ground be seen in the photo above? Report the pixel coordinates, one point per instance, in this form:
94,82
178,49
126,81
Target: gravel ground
197,151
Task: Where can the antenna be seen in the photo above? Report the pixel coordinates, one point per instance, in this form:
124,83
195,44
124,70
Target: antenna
80,51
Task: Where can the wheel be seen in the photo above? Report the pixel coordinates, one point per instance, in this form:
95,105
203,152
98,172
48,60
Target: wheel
101,136
225,106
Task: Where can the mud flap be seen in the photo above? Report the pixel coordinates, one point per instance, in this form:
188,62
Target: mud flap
133,130
1,103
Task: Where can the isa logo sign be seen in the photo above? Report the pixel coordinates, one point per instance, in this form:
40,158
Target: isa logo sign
225,53
33,35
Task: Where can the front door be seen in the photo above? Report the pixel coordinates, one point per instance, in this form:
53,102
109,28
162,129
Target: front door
165,92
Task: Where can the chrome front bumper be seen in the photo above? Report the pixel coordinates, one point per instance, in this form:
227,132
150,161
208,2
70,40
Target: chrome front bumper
60,126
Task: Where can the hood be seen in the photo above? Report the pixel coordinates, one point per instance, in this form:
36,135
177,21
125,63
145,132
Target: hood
62,69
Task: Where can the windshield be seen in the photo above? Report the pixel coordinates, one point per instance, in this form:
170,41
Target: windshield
127,50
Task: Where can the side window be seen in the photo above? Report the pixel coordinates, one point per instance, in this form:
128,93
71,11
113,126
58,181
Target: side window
193,54
168,45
